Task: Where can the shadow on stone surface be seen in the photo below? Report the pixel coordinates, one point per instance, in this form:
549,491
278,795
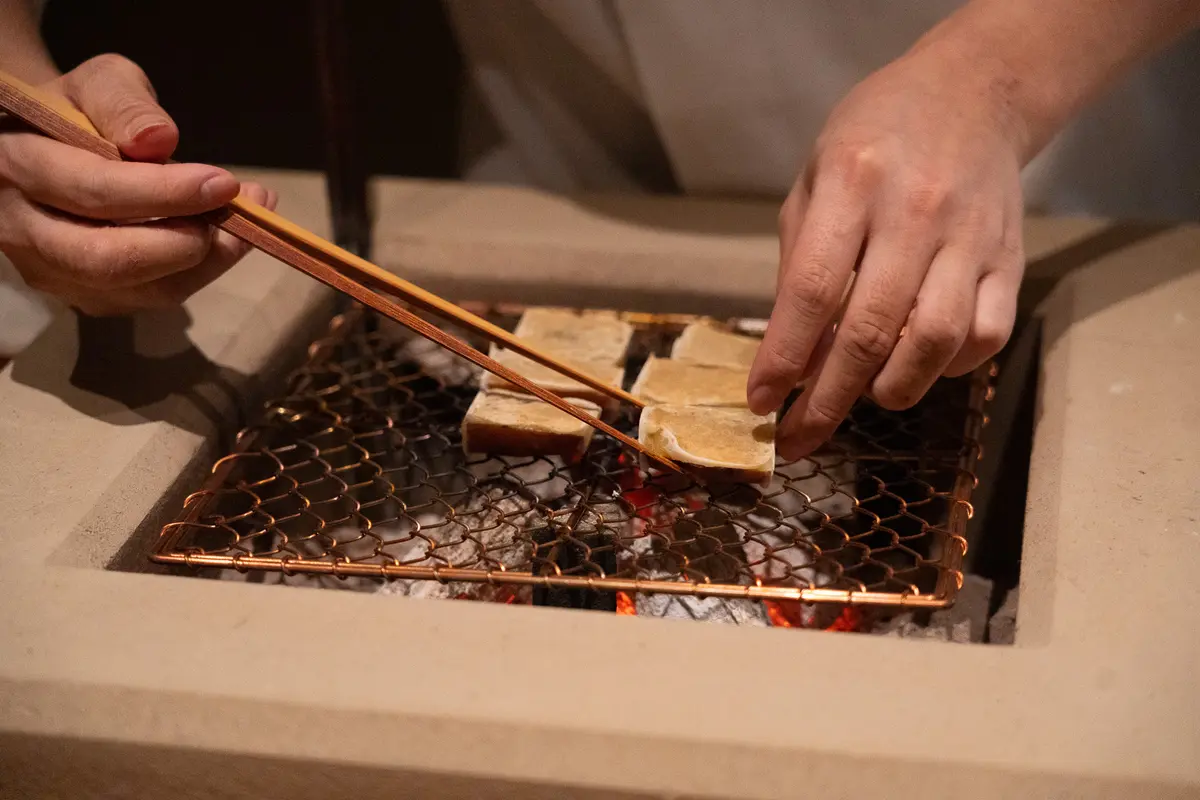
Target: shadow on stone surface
133,370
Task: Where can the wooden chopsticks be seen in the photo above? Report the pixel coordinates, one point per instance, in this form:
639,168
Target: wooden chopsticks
330,264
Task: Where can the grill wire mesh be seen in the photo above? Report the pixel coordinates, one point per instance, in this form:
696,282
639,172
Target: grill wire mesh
358,471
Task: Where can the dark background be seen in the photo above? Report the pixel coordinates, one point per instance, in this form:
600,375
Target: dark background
240,78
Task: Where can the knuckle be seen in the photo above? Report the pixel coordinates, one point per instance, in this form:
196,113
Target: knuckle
822,415
112,63
94,195
783,361
131,107
858,166
867,340
926,198
1012,247
812,291
981,222
938,338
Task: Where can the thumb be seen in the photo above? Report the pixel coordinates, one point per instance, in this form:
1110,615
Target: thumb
118,98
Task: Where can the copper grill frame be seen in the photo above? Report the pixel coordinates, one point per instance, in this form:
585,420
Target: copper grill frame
173,548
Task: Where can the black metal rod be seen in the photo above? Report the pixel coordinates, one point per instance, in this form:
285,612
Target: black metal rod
346,174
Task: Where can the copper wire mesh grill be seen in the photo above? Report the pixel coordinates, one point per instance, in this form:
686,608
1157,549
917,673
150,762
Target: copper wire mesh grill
359,471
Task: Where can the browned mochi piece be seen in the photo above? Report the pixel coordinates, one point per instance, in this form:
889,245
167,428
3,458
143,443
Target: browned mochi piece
554,381
683,383
704,342
719,444
513,424
596,337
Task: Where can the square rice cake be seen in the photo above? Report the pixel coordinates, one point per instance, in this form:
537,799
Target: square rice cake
584,337
684,383
512,424
721,445
705,342
561,385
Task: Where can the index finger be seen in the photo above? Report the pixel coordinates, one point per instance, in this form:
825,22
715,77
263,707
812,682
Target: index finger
811,286
84,184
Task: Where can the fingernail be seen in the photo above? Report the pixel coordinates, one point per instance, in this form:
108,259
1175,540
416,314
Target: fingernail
220,188
763,400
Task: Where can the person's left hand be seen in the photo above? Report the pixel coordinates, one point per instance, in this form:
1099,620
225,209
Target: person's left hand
915,179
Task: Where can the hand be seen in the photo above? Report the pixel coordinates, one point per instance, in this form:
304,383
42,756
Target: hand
915,179
69,220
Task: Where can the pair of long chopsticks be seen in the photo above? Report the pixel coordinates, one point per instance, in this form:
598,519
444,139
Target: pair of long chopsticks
299,248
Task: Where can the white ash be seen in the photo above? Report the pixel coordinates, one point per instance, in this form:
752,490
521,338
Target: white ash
965,621
1002,627
454,590
437,362
736,611
490,536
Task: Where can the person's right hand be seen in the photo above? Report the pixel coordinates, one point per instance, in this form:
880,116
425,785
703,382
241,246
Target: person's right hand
74,224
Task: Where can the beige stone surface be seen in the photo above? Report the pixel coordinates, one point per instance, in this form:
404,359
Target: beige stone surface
184,687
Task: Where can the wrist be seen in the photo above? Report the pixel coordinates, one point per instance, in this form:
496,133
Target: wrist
1029,85
986,85
1039,64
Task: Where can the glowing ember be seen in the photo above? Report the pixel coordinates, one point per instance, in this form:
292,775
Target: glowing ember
790,614
626,606
506,595
851,619
777,615
651,511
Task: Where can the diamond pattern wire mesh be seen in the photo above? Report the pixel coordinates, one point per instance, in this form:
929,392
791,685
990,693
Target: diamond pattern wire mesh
358,471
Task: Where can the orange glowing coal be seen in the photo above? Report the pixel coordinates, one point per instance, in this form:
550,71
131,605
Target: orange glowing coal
787,614
625,605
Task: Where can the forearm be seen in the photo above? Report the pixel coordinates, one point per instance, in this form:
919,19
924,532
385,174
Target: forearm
22,52
1044,60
